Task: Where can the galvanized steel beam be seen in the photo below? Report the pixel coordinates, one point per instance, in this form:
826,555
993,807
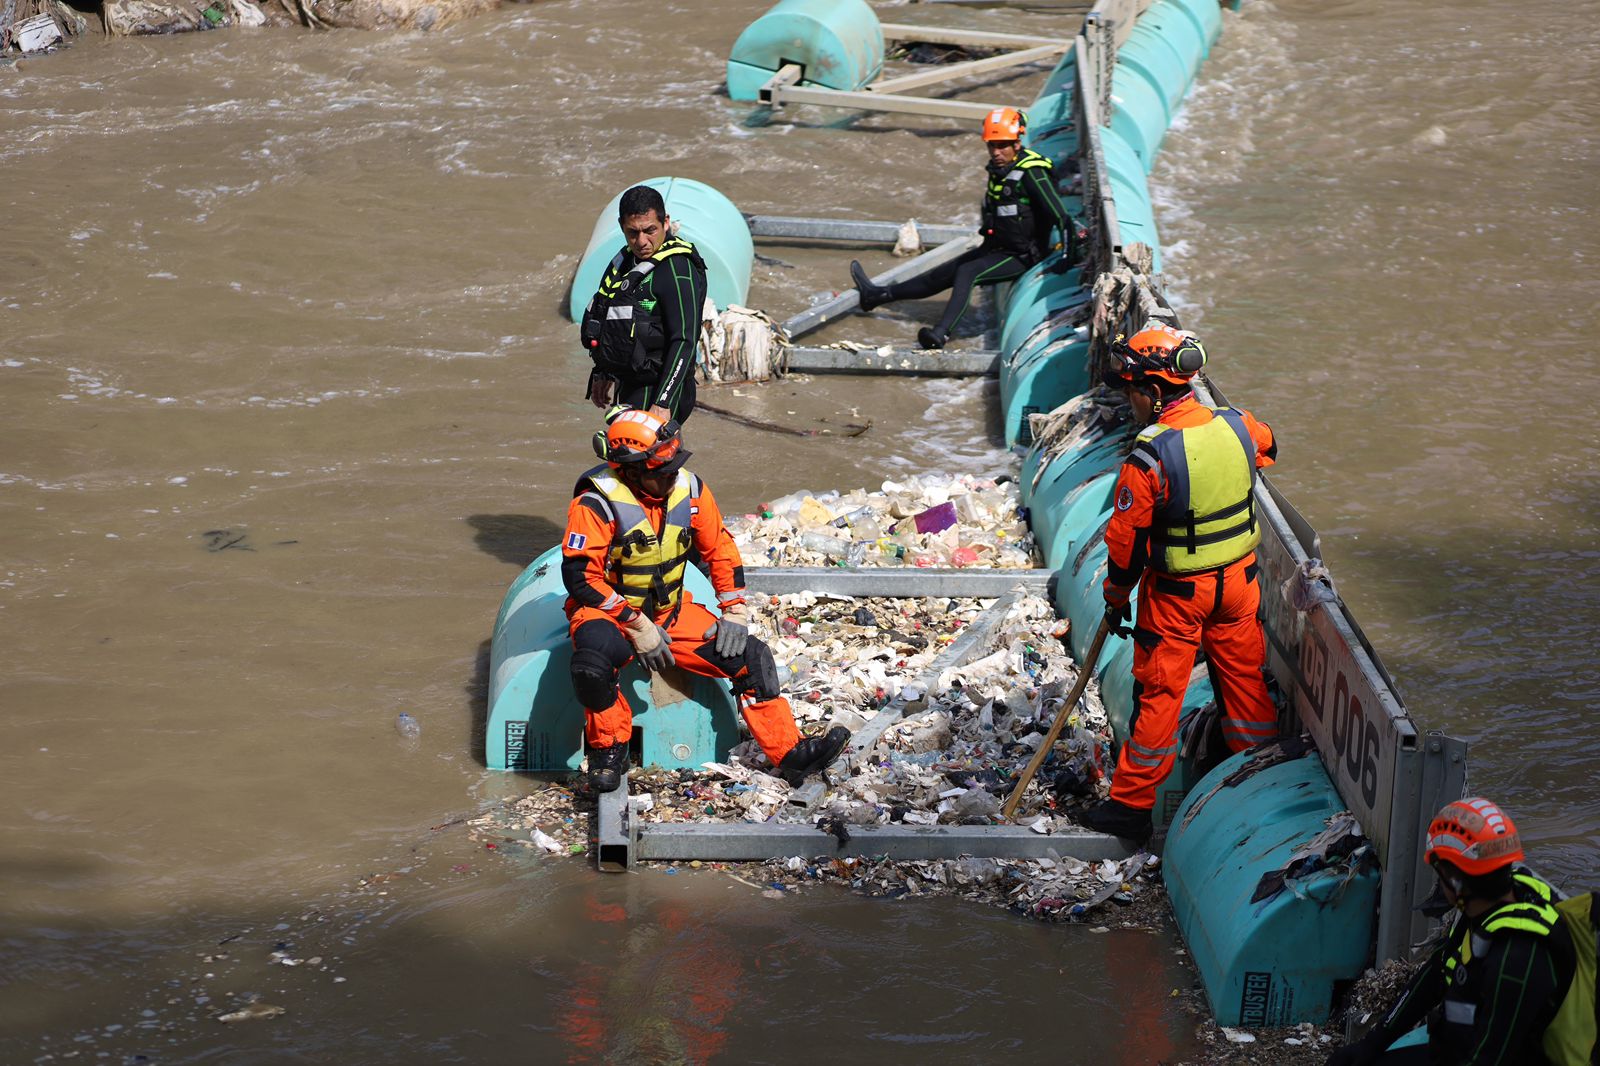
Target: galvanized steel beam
900,362
850,299
951,71
779,95
758,841
866,231
899,31
902,581
614,852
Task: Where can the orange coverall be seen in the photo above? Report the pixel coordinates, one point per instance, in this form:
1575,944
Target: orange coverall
1179,613
600,650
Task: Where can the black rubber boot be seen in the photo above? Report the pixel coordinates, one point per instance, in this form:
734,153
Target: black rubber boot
932,337
812,755
1118,820
871,295
606,767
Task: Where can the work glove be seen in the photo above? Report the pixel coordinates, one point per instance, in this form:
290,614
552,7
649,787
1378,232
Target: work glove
1119,617
731,631
649,643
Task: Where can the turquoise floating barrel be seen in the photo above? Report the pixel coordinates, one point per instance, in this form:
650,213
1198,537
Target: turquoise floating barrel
1275,961
1151,54
1049,368
1206,16
1138,114
536,723
1183,31
839,43
705,217
1136,217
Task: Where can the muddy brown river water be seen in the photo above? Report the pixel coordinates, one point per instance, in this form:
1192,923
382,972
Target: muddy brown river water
288,399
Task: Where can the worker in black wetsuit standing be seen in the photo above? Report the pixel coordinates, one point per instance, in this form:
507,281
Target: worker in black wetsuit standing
1020,208
642,328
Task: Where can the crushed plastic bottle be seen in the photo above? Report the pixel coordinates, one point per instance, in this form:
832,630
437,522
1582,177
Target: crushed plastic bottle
407,726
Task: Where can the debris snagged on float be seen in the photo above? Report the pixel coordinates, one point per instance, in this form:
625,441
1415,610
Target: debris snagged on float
741,344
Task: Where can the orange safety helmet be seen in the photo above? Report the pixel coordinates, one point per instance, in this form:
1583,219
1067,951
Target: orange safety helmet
635,436
1475,836
1158,351
1005,124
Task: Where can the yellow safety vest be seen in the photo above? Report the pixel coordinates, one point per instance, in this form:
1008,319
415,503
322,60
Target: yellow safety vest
646,567
1209,517
1569,1040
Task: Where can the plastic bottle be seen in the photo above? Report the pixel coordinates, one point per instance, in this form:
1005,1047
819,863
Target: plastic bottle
407,726
832,547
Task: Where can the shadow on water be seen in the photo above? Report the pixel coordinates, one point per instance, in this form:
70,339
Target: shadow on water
478,703
514,538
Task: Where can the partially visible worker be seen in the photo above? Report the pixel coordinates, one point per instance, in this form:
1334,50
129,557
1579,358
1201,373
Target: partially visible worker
1512,982
630,527
642,327
1183,529
1020,208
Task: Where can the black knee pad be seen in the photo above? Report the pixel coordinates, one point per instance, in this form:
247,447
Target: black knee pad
762,669
594,679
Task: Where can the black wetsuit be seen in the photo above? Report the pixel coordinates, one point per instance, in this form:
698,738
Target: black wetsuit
1511,992
674,294
1003,256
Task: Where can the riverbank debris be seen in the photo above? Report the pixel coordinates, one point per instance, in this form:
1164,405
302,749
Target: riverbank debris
937,520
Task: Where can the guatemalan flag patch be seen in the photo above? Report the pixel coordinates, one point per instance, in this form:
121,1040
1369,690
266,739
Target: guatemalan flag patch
576,541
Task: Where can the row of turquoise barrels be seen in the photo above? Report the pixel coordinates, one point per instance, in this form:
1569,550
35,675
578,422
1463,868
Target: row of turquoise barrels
704,217
1040,347
535,723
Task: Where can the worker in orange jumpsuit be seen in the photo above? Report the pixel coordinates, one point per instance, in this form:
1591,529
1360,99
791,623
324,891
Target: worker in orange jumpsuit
1183,528
630,527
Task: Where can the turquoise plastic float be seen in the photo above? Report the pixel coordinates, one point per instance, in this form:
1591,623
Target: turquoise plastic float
1205,15
706,218
1276,961
1130,192
1049,367
1152,55
838,43
1138,114
536,723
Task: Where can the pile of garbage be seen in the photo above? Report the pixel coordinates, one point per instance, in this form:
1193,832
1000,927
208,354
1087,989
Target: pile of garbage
937,520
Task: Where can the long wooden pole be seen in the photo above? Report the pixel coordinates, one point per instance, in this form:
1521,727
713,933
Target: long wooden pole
1085,670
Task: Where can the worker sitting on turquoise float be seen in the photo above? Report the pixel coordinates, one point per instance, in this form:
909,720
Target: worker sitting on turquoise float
1020,208
630,526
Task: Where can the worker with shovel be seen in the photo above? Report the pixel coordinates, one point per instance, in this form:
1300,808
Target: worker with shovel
1183,529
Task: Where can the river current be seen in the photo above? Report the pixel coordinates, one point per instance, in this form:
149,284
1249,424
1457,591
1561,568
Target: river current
289,398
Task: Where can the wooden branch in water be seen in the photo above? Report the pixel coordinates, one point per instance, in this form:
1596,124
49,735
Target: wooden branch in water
850,429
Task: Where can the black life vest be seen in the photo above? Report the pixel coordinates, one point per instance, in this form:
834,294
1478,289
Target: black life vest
1008,214
623,332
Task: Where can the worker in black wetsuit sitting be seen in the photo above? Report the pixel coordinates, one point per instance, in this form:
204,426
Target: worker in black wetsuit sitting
1020,208
642,328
